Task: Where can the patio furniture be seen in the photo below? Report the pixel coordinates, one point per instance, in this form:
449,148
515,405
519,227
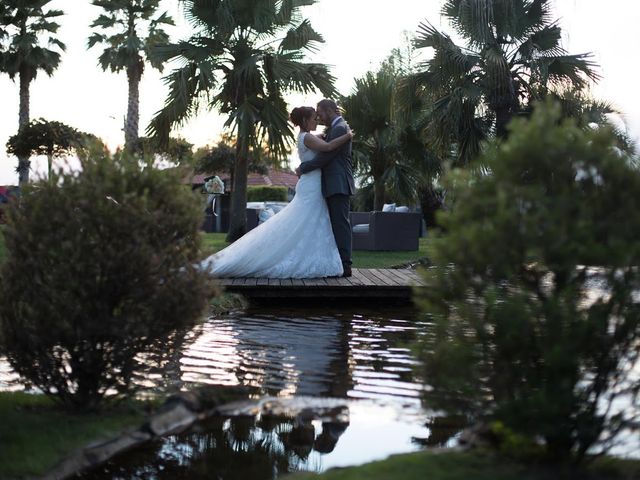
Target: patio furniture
385,230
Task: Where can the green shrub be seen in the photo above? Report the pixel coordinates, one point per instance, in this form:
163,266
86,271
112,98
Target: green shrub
534,292
267,194
99,268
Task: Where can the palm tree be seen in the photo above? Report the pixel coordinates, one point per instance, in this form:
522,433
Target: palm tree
243,57
377,151
26,25
512,57
127,48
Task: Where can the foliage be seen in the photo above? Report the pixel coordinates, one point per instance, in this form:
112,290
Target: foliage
24,28
222,159
380,152
127,50
43,137
50,138
241,60
267,193
2,244
534,290
99,268
36,434
512,57
176,151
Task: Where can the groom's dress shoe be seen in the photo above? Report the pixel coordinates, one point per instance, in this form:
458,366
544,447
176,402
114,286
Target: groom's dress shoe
346,270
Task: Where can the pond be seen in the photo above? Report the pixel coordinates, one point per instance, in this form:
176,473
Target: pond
356,362
362,360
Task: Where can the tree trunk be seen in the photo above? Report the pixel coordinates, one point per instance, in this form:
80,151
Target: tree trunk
430,203
503,117
238,216
134,75
378,193
24,163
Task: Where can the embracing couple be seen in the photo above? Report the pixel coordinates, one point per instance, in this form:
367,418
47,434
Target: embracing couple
311,236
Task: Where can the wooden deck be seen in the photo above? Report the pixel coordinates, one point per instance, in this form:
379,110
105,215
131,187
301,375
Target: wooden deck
365,283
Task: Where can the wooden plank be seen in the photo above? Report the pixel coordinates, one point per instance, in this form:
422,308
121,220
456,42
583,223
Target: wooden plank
262,281
238,281
332,281
314,282
358,274
397,276
387,277
345,282
274,282
286,282
415,278
355,279
370,276
297,282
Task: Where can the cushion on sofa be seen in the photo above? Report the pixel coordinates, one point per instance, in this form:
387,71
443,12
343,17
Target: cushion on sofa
389,207
361,228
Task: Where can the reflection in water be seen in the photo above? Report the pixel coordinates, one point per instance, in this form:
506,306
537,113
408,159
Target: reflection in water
364,358
230,448
279,353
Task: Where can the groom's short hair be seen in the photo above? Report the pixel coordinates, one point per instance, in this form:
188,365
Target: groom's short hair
328,104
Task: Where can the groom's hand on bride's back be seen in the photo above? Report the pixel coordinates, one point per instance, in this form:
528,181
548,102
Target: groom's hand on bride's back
298,172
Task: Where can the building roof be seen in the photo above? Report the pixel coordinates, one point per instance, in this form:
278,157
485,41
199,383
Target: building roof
279,178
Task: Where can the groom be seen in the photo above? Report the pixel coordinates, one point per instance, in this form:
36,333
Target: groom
337,179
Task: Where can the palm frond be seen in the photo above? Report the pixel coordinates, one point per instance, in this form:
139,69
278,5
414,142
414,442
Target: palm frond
577,69
186,86
449,62
302,37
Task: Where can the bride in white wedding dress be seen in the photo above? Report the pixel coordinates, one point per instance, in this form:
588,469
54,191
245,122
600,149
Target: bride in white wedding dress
298,241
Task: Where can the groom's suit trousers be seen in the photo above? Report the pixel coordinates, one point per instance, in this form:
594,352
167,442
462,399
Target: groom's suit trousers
339,206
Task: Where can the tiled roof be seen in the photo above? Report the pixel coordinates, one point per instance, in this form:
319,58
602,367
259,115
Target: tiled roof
274,177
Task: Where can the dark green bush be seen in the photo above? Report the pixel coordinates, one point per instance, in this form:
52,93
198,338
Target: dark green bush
534,293
267,194
98,268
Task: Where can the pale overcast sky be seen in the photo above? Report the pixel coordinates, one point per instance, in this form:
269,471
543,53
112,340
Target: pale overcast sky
358,34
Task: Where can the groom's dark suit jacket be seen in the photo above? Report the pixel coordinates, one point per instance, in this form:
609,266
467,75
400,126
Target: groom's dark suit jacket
337,173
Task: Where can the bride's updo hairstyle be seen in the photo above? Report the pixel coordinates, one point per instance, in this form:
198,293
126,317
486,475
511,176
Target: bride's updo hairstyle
299,115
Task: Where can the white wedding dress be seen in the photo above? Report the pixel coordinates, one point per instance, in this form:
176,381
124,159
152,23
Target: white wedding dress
297,242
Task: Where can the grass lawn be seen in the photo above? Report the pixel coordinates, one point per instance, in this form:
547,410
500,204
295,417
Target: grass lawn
213,242
467,466
35,433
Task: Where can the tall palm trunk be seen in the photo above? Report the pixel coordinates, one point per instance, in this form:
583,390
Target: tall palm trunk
238,215
23,120
430,203
377,172
133,114
378,193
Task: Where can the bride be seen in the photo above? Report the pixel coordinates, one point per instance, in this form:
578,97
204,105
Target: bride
298,241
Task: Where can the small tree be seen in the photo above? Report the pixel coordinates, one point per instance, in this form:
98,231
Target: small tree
42,137
534,295
99,267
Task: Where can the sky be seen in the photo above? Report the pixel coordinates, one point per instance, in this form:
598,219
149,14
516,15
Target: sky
358,35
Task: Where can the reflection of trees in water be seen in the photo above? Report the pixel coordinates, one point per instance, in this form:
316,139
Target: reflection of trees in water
230,448
280,353
160,369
